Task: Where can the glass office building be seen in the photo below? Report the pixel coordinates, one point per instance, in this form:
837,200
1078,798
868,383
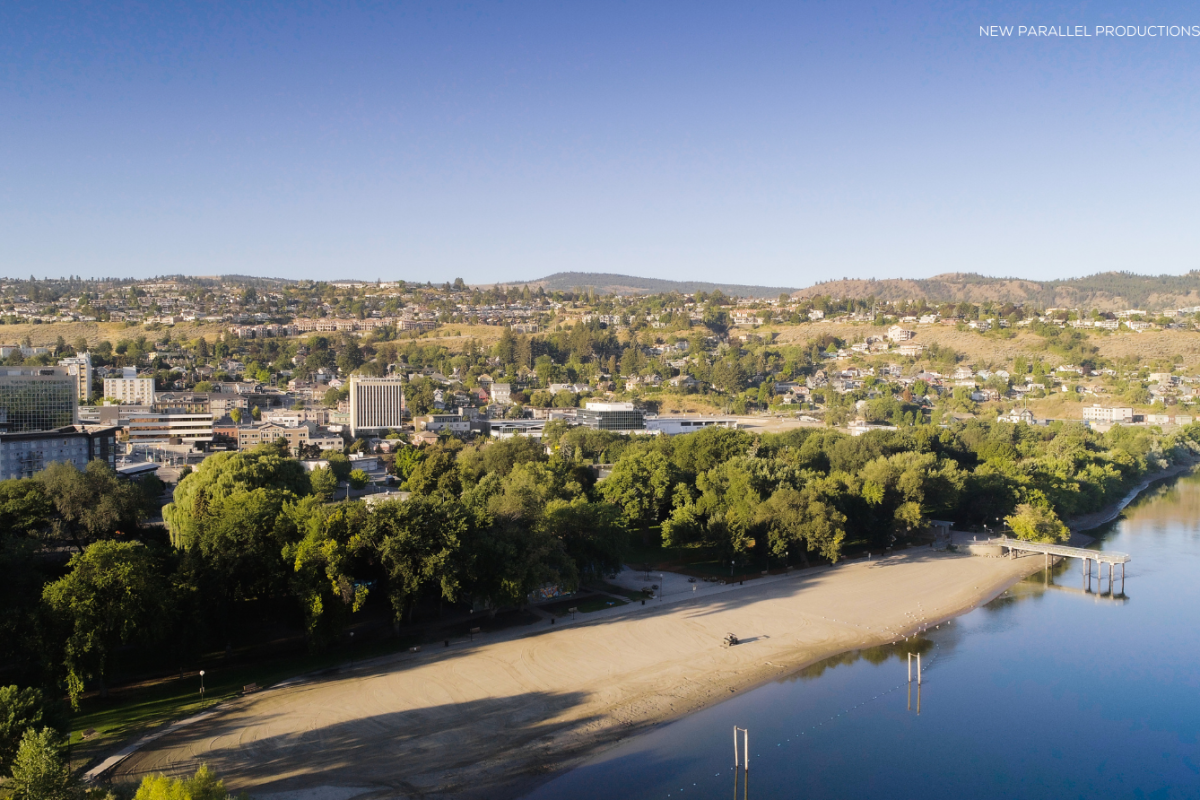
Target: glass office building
37,399
612,417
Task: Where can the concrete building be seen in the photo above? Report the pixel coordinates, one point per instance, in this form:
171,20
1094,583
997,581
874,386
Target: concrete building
306,433
23,455
672,426
7,350
144,425
133,391
454,423
37,399
188,402
80,367
376,404
1101,414
612,417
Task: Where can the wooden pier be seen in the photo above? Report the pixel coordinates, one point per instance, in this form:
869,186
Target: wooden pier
1066,551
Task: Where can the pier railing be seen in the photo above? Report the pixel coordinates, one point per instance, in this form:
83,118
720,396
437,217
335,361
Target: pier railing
1099,556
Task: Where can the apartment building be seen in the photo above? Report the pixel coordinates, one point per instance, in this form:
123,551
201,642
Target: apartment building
306,433
1097,413
23,455
132,391
80,367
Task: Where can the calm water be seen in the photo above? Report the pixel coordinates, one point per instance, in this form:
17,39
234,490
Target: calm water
1046,692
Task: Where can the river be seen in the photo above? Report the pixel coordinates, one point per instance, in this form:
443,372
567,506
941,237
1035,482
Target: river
1046,692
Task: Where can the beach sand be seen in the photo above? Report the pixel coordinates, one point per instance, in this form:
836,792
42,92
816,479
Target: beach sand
494,717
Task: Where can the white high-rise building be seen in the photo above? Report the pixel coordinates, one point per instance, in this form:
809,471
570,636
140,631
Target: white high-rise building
375,403
80,367
131,391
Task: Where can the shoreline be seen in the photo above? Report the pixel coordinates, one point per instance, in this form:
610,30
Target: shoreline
1086,522
497,719
589,704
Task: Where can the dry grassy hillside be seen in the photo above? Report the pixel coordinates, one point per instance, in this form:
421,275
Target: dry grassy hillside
96,332
990,352
1109,292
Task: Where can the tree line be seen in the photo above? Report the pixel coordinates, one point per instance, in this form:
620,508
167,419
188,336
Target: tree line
486,524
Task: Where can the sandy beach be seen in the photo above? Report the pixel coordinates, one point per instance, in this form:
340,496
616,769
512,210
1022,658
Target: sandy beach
494,717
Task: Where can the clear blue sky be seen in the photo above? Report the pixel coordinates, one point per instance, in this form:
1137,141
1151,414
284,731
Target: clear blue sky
771,143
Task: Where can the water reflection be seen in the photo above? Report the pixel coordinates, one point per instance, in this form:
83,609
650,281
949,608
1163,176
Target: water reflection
1056,688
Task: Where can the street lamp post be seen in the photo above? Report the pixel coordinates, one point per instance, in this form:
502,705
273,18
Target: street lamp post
202,685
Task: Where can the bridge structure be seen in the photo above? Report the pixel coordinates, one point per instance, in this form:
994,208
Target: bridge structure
1100,557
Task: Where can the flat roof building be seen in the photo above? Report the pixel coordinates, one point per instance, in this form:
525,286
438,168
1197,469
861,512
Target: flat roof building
612,417
134,391
376,404
23,455
80,367
37,399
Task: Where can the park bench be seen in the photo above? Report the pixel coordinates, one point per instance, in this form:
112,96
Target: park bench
249,688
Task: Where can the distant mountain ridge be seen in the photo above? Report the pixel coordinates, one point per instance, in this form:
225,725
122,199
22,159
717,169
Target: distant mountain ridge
1105,291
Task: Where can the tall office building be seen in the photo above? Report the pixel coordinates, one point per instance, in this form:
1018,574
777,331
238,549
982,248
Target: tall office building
375,403
132,391
37,399
80,366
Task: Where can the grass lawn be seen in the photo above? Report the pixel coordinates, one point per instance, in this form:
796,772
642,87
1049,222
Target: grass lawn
611,588
585,604
126,713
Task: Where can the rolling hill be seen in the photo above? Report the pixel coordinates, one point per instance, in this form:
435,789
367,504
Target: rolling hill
1106,291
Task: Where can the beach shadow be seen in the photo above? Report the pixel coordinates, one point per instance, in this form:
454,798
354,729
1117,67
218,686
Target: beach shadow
412,751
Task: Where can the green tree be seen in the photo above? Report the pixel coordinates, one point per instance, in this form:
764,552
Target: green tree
324,483
358,479
437,473
406,461
222,475
640,485
1037,523
340,464
594,534
20,710
204,785
114,594
418,542
239,547
93,504
802,522
39,771
25,508
327,541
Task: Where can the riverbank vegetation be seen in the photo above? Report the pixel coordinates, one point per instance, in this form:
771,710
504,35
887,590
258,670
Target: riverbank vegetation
94,597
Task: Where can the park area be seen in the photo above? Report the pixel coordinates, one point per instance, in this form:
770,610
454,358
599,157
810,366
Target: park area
493,714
